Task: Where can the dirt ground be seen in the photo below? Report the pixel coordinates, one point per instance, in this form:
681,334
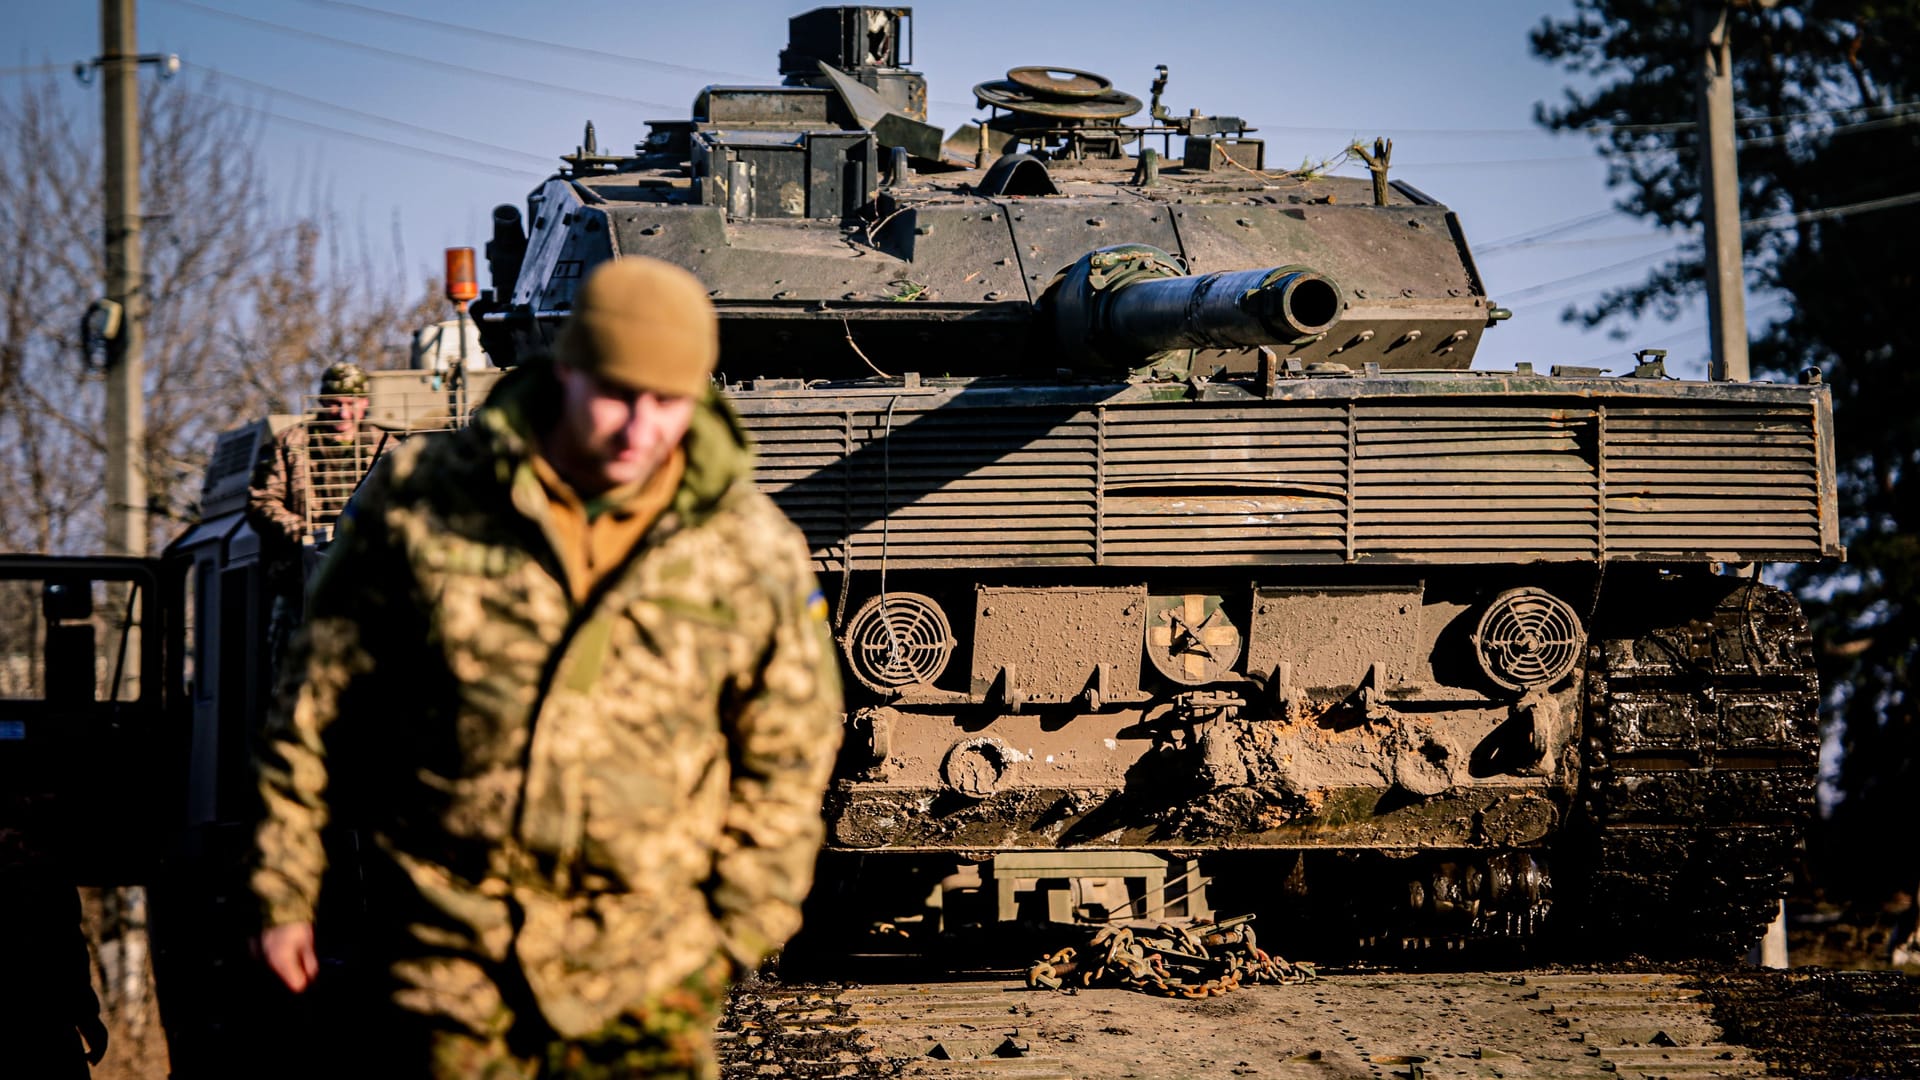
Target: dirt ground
1822,933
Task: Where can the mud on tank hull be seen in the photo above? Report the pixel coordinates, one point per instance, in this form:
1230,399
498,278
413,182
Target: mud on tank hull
1459,632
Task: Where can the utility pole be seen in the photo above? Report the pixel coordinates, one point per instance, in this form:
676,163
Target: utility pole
125,306
1720,194
126,364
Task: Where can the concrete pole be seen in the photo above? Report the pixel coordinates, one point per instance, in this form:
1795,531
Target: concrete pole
1720,194
126,367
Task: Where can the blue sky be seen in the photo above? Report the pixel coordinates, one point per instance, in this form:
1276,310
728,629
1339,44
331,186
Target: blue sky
418,129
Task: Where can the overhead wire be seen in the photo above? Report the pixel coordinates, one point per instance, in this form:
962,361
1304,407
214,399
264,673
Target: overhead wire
359,136
1585,275
1679,335
563,48
1749,142
1903,107
1584,241
1829,212
1761,224
1554,229
528,42
387,121
420,61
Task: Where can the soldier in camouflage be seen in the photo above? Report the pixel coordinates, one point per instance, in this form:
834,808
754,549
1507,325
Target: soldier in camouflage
306,470
568,669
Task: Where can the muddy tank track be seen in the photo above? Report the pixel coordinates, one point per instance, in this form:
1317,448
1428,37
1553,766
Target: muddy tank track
1702,744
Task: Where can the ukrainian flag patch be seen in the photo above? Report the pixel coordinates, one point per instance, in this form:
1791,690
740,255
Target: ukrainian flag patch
817,606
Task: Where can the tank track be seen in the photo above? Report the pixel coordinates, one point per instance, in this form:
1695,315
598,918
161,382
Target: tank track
1701,746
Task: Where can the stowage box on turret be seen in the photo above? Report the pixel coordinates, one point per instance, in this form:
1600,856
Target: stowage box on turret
1163,519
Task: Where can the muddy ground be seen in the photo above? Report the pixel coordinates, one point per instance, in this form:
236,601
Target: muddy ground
1842,1012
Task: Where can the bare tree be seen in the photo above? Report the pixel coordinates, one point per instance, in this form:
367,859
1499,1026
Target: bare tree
245,306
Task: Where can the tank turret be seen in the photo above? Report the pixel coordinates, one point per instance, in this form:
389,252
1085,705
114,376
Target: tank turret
832,223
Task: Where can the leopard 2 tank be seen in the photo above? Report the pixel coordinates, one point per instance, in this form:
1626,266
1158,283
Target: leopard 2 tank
1179,557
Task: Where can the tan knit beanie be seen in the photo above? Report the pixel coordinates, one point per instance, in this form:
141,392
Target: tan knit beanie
643,324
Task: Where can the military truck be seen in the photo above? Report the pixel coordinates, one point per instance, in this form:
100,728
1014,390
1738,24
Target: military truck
1179,557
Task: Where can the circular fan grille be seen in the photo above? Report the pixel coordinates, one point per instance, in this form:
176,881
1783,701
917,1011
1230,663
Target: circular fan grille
898,639
1528,638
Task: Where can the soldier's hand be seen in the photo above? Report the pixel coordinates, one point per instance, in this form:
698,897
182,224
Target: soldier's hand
288,950
95,1033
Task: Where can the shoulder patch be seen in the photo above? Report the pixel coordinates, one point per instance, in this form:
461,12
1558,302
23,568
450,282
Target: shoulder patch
817,606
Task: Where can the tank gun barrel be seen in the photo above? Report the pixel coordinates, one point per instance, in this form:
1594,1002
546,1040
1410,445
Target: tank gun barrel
1125,303
1234,309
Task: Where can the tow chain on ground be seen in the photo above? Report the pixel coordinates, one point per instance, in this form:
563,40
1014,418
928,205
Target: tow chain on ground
1198,961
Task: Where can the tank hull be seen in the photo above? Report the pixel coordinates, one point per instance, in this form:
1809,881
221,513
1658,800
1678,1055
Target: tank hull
1391,617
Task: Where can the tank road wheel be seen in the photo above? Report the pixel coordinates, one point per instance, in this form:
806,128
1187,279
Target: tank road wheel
1702,745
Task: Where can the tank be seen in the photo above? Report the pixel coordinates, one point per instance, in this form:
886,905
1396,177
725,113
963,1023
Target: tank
1180,559
1178,554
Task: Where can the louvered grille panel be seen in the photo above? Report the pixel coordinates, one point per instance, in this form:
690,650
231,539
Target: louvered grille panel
1732,479
974,487
964,488
799,459
1224,484
1449,478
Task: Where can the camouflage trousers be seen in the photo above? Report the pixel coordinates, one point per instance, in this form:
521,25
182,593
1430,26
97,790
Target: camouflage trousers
670,1037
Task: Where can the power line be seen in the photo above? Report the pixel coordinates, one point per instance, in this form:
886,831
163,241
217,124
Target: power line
374,117
1554,229
356,136
1585,241
535,43
1554,159
33,69
1899,120
1775,221
420,61
1585,275
1909,115
1904,107
1552,292
1682,335
1826,213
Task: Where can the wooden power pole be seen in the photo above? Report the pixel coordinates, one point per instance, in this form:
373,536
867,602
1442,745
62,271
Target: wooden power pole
1720,194
126,366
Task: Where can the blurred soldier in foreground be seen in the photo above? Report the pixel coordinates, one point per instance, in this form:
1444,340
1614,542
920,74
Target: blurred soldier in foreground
306,466
569,670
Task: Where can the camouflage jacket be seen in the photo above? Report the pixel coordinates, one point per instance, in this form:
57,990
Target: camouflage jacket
606,795
282,499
